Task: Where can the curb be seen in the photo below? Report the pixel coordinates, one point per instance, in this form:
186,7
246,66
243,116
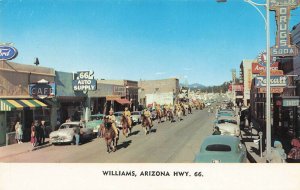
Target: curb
40,147
27,150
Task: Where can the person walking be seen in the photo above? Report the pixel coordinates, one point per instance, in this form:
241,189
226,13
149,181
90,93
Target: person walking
77,134
43,132
19,132
38,131
32,135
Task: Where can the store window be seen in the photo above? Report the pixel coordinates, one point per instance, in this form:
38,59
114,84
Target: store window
12,117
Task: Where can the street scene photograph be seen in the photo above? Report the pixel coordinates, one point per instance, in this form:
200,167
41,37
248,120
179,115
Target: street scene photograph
140,81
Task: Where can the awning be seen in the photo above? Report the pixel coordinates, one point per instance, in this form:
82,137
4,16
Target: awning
9,105
122,101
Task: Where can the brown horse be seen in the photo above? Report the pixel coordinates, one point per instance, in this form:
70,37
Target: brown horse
160,114
109,136
126,128
146,124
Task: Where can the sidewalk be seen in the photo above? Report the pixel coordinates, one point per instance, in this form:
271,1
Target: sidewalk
16,149
253,152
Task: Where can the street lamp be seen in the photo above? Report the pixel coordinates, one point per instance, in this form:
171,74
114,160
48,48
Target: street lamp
268,94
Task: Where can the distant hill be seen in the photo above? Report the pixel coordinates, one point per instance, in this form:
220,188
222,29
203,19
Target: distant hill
195,85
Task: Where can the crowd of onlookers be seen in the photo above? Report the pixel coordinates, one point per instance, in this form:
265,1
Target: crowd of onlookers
38,132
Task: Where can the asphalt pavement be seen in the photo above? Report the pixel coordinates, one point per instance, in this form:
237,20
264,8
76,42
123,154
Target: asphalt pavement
176,142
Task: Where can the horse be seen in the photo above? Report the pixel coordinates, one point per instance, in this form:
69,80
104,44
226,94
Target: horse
183,110
146,124
179,114
170,115
159,115
126,127
109,136
189,109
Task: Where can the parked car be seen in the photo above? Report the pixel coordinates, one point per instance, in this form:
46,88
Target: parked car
221,149
95,122
118,119
136,117
226,119
225,113
65,133
229,129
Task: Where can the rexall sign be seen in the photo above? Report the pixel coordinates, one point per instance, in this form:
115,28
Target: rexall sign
8,52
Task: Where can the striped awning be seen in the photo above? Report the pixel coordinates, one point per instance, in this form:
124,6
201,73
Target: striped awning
8,105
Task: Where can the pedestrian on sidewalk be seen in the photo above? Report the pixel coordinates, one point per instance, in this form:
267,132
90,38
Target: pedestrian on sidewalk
277,153
19,132
32,135
38,131
43,132
77,134
294,154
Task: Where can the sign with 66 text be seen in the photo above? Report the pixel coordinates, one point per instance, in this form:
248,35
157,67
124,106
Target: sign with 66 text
84,81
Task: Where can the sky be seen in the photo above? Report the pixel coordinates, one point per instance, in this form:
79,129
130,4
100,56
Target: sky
197,41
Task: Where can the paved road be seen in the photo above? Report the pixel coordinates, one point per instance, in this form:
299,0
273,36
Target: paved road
168,143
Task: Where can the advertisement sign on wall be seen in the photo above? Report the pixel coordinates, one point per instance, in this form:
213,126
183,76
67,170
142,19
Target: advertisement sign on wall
275,81
8,52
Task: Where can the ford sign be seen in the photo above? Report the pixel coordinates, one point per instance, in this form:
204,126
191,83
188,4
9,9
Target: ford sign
8,52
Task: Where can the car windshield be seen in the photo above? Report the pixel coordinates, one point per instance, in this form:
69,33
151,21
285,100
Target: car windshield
218,147
135,113
226,121
94,117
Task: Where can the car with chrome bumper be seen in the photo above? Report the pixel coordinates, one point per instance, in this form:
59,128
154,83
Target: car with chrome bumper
66,134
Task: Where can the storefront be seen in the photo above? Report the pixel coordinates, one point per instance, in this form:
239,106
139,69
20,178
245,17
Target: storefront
69,104
16,104
24,111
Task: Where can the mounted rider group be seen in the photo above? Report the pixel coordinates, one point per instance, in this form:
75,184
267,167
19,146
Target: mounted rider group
161,113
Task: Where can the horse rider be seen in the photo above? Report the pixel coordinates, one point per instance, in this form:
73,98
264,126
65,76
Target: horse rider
127,114
147,114
112,120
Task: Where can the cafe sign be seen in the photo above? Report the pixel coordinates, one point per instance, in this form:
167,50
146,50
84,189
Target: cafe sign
42,89
283,45
84,81
275,81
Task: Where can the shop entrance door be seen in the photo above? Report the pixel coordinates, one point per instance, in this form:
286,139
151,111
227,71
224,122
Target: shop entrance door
28,119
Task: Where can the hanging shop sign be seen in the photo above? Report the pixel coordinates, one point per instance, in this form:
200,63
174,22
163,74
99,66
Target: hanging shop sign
275,81
8,53
84,81
237,87
261,63
272,73
283,45
119,90
42,89
291,101
274,90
